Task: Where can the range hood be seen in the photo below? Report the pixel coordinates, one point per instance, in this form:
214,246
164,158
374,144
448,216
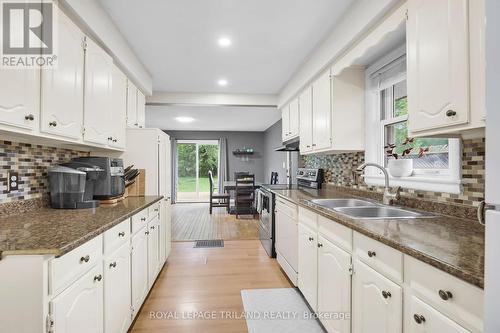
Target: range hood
292,145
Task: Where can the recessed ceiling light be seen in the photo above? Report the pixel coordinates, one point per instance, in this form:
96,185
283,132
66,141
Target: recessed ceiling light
222,82
184,119
224,42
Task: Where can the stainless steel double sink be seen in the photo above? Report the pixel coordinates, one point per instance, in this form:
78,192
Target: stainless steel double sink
364,209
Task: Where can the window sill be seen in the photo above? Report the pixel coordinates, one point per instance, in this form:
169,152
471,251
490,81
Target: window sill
419,182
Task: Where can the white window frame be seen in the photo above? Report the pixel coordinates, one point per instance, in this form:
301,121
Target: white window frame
448,180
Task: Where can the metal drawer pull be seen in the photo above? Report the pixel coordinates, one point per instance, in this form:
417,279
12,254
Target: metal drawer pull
153,228
146,233
143,219
451,113
98,278
371,254
419,319
320,245
445,295
121,234
311,239
85,259
386,294
53,123
112,265
29,117
156,209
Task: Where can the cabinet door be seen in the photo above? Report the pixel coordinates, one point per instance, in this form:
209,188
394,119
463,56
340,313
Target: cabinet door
153,250
377,302
286,238
308,265
334,286
285,122
306,120
20,98
438,63
141,109
62,86
79,308
117,291
119,109
140,285
322,112
294,118
423,318
168,227
98,95
131,105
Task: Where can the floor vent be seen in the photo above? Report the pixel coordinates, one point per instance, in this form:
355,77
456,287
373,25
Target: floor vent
209,243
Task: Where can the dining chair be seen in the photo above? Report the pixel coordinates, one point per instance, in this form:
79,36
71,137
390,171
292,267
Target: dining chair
274,178
217,199
245,196
239,174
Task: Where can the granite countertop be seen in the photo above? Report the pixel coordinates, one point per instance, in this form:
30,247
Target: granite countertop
454,245
58,231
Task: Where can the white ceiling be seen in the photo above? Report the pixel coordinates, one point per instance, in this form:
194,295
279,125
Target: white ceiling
212,118
177,40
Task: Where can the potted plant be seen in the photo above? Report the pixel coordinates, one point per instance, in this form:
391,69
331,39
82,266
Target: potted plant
398,165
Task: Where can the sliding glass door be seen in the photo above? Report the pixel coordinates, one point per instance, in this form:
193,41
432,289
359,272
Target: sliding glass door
194,159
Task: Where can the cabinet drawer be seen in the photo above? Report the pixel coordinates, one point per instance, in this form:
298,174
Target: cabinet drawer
381,257
337,233
139,220
117,236
308,218
66,269
460,301
286,207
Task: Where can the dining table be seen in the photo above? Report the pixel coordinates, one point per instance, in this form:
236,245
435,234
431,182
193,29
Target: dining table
230,185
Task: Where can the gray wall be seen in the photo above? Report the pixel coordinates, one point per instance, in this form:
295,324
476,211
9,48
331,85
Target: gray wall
235,140
275,160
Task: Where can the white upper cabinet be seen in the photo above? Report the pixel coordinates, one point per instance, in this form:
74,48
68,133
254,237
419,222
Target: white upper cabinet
306,120
285,123
62,86
20,98
322,112
294,118
141,109
136,107
98,94
118,109
446,66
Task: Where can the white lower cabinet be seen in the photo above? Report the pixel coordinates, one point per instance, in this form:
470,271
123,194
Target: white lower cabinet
423,318
153,250
334,286
117,291
79,308
308,265
139,257
377,304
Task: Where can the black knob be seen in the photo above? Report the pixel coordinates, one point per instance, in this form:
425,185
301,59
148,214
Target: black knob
110,138
98,277
121,234
53,123
29,117
153,228
451,113
146,233
112,265
386,294
419,319
320,245
85,259
114,140
445,295
371,254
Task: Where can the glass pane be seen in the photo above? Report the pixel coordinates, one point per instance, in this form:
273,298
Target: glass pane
208,161
186,171
400,99
436,156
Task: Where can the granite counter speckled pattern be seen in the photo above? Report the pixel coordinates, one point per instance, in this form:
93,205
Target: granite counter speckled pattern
451,244
58,231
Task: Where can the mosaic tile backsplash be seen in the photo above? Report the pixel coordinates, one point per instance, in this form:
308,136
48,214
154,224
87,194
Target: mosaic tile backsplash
32,162
338,168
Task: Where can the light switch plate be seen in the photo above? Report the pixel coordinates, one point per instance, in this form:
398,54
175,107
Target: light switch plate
12,181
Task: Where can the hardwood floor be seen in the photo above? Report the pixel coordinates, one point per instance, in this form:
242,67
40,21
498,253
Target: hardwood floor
196,280
192,221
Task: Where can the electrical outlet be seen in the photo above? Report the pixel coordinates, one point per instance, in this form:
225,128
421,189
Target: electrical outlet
12,181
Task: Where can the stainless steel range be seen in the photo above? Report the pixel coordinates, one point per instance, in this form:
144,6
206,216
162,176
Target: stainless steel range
306,178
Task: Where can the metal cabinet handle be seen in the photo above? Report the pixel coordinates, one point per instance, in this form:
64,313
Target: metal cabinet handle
112,265
320,245
85,259
53,123
146,233
29,117
311,239
143,219
314,145
419,319
386,294
156,209
115,140
308,146
451,113
445,295
371,254
121,234
110,138
98,278
153,228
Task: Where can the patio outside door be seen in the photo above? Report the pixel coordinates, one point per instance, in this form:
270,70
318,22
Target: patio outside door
194,159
